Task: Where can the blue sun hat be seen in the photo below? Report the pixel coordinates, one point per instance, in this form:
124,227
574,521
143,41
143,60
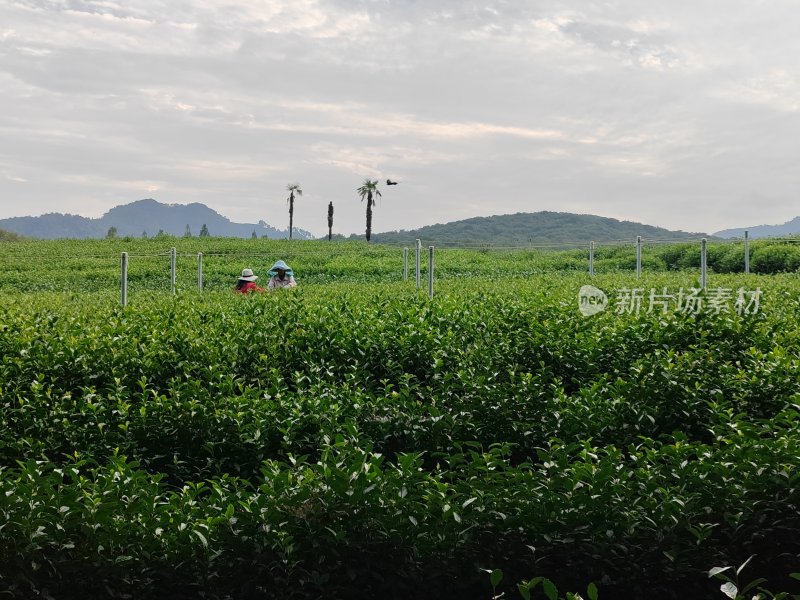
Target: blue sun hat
280,266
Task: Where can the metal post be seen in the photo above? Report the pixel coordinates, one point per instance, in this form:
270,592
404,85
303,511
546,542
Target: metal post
703,263
199,271
173,259
430,271
124,279
405,264
591,259
418,251
746,251
638,257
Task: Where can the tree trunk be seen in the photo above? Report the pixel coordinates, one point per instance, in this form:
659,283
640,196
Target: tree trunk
330,220
291,213
369,216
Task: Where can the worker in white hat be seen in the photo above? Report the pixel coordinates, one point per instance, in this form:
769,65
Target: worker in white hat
247,282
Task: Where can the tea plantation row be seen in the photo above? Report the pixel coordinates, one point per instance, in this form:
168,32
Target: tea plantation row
95,265
363,441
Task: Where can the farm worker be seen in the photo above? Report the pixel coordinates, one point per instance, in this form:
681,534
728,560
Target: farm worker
247,282
281,276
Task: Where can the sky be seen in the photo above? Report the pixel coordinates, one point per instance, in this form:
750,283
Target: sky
683,114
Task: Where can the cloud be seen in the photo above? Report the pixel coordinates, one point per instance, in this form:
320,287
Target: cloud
778,89
675,113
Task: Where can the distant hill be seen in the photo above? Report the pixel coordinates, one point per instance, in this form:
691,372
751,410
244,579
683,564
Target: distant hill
761,231
532,228
140,218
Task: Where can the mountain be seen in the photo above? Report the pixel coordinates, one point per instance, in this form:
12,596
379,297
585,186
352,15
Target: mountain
142,217
54,225
761,231
532,228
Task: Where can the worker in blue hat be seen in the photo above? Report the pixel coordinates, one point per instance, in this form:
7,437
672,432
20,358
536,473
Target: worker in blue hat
281,276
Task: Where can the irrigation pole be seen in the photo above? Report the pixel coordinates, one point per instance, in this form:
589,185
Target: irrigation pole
418,251
124,279
746,251
591,259
638,257
703,263
430,271
173,260
405,264
199,271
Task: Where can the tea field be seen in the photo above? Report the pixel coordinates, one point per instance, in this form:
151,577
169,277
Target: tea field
95,265
353,438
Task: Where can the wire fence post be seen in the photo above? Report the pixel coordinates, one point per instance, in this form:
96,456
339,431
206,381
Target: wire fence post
591,259
418,251
703,263
405,264
430,271
173,259
746,252
638,257
124,284
199,271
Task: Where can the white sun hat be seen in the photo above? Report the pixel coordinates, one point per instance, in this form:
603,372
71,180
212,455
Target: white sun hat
247,275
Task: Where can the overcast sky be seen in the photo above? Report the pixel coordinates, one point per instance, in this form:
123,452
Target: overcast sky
677,113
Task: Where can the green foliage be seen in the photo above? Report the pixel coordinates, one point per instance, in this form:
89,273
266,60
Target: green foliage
766,256
9,236
353,438
775,258
94,265
736,589
527,590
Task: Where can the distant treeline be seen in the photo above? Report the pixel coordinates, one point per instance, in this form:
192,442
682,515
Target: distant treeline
10,236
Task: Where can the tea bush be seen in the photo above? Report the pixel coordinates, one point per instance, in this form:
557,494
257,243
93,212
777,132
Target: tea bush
81,266
360,440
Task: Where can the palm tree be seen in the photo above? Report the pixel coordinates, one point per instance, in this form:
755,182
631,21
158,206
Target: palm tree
330,220
369,190
294,188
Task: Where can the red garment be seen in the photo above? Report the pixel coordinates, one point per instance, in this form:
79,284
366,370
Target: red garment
248,287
